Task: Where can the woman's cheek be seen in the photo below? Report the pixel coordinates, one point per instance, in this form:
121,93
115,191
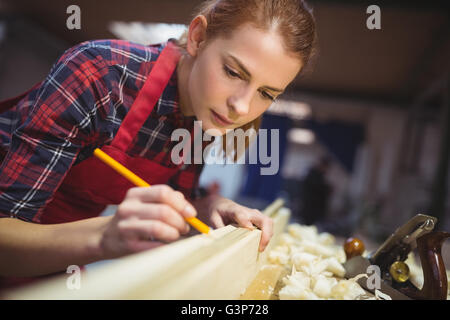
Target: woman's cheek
214,86
199,84
196,89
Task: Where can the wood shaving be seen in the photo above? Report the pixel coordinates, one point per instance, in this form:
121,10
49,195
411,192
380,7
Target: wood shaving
381,296
316,267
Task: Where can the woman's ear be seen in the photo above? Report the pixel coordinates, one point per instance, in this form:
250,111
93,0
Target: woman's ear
196,35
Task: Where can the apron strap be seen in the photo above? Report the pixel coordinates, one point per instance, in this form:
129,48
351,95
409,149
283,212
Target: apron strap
147,97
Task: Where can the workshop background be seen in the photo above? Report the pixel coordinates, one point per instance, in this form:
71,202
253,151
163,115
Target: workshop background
375,106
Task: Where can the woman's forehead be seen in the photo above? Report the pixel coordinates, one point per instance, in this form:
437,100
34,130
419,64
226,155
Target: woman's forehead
262,53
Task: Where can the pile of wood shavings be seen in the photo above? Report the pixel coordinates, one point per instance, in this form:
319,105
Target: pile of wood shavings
316,267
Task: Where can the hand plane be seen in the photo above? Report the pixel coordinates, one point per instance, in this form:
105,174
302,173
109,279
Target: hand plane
390,259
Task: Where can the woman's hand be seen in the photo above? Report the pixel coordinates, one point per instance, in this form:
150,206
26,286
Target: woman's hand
218,212
146,218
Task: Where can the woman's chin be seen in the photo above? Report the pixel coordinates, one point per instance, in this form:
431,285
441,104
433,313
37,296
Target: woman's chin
213,130
210,128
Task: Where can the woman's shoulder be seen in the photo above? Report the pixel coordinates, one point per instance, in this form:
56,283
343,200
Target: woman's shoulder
117,51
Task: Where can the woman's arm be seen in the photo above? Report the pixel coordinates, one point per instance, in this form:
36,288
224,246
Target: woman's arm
29,249
146,218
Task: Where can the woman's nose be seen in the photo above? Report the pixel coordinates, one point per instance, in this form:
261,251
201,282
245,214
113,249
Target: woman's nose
240,103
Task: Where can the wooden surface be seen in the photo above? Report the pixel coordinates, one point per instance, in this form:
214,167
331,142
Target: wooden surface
220,265
266,284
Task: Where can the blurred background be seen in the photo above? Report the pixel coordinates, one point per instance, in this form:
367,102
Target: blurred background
364,137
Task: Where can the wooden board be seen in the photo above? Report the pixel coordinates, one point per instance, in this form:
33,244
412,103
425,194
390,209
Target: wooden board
265,284
220,265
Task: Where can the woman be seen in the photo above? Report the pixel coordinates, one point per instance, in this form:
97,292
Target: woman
236,58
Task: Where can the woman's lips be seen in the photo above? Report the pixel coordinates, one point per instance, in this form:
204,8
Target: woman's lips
221,120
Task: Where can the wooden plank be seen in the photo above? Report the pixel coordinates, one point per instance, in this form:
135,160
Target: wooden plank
263,287
216,266
264,284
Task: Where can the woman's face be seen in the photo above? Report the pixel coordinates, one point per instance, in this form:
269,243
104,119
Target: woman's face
233,81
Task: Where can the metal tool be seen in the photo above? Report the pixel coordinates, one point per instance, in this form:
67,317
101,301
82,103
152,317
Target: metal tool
390,256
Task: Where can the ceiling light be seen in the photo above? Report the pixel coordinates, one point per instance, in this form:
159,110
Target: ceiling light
301,136
146,33
291,109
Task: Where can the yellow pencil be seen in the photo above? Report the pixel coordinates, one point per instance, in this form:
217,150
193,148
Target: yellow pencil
196,223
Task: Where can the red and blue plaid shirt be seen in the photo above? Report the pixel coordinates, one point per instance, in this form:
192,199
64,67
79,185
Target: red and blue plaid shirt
77,108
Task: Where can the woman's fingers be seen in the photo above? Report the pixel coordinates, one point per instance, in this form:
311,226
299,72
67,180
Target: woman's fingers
242,217
154,211
265,224
216,220
246,218
146,218
147,230
163,194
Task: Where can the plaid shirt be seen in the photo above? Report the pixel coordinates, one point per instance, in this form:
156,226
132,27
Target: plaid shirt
78,107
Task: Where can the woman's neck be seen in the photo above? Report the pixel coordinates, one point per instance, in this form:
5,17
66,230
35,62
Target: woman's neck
183,70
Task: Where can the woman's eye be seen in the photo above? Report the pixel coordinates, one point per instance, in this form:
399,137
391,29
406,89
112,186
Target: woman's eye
231,73
267,96
234,74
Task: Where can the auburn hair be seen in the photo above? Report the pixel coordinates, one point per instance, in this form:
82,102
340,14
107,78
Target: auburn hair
293,19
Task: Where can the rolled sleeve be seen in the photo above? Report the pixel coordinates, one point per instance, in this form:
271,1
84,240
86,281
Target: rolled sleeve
47,140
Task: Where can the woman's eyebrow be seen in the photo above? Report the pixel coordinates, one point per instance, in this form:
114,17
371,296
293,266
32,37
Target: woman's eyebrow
248,74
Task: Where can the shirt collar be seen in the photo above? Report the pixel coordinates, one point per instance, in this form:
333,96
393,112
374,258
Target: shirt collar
168,104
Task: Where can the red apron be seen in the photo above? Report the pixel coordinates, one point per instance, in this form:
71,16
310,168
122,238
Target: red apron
91,185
